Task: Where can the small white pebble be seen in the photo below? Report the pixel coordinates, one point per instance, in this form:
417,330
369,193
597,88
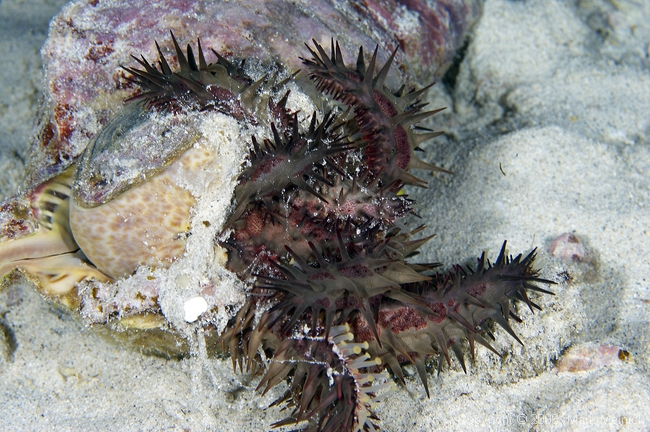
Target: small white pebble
194,308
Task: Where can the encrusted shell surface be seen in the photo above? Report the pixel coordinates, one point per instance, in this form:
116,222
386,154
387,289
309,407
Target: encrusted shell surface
130,150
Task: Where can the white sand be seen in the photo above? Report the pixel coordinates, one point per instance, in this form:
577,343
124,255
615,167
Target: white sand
556,96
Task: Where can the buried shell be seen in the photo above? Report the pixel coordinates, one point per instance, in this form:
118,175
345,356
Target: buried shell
337,296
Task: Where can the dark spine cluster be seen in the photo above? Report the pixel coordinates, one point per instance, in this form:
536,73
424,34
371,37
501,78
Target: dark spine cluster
383,118
221,85
336,298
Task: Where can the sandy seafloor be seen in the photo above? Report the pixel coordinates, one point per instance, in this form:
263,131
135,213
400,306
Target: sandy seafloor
548,133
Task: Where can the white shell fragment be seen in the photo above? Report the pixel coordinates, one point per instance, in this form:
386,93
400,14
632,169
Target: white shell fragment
194,308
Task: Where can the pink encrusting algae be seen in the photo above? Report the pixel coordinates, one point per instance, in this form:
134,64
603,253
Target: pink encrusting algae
317,228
